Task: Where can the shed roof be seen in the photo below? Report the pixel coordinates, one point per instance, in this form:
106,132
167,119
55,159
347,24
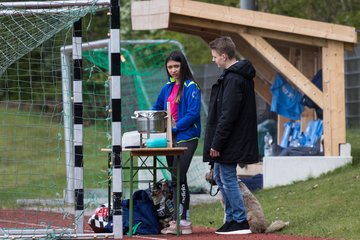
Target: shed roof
146,15
272,43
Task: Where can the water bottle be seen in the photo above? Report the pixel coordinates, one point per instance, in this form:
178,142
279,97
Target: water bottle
267,144
285,137
302,139
295,138
296,130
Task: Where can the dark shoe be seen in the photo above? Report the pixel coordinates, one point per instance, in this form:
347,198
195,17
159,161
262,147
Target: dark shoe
236,228
224,227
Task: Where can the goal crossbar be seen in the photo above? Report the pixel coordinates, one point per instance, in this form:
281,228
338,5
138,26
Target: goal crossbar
52,4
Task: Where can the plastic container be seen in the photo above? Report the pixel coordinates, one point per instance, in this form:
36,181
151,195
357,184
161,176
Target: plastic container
302,139
156,143
296,130
268,125
286,134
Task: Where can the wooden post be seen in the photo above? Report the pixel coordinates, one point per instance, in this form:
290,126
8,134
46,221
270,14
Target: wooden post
309,68
168,126
334,97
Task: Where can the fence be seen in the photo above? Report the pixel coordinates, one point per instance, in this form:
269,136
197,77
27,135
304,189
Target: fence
352,88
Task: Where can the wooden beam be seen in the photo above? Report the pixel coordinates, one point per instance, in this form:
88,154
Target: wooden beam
262,88
262,67
285,68
262,85
232,27
308,61
261,20
308,68
280,43
334,97
286,37
147,15
290,54
307,115
155,14
205,23
201,32
265,74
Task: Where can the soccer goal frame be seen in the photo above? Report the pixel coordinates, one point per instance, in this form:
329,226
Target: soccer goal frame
74,147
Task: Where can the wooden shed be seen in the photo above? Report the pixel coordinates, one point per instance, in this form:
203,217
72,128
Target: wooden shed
296,48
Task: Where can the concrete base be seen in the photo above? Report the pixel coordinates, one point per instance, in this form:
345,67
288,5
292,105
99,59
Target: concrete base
279,171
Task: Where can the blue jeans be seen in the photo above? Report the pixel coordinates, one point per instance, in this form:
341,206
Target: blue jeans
226,179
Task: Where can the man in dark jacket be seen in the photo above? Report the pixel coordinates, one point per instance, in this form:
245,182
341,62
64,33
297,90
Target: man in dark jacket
231,130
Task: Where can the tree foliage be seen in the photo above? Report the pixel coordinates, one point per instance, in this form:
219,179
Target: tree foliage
346,12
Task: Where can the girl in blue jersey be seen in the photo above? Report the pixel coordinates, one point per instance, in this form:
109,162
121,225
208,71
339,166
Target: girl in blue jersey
184,96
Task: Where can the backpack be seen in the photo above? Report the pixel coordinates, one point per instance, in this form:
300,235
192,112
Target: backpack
145,218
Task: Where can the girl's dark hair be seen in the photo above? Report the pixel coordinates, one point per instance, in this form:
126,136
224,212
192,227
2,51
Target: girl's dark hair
185,73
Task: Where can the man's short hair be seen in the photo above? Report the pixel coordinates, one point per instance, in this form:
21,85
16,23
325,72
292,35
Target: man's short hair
224,45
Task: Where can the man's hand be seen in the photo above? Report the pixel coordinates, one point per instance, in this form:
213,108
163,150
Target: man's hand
214,153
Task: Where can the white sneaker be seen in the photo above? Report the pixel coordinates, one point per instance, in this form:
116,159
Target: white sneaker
185,228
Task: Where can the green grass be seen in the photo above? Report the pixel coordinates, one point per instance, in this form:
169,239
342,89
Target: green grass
32,165
327,206
32,157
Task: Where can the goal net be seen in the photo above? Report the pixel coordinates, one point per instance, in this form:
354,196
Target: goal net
35,38
32,154
143,76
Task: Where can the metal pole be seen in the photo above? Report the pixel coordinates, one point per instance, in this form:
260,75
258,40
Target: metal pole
78,128
248,4
68,129
115,93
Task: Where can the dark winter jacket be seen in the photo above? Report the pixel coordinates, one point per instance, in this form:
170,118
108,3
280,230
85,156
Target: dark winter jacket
232,125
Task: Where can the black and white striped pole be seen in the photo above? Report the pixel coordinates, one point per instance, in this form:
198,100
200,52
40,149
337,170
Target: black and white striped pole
78,128
115,92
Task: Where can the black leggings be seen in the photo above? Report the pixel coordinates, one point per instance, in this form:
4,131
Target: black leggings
185,160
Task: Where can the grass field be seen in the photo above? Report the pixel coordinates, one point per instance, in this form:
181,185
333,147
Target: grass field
32,156
327,206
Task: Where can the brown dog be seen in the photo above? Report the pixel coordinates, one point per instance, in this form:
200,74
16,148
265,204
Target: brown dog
255,213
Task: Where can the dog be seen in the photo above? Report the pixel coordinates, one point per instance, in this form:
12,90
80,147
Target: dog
255,213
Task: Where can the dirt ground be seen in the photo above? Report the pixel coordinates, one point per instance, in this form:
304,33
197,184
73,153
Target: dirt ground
35,219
